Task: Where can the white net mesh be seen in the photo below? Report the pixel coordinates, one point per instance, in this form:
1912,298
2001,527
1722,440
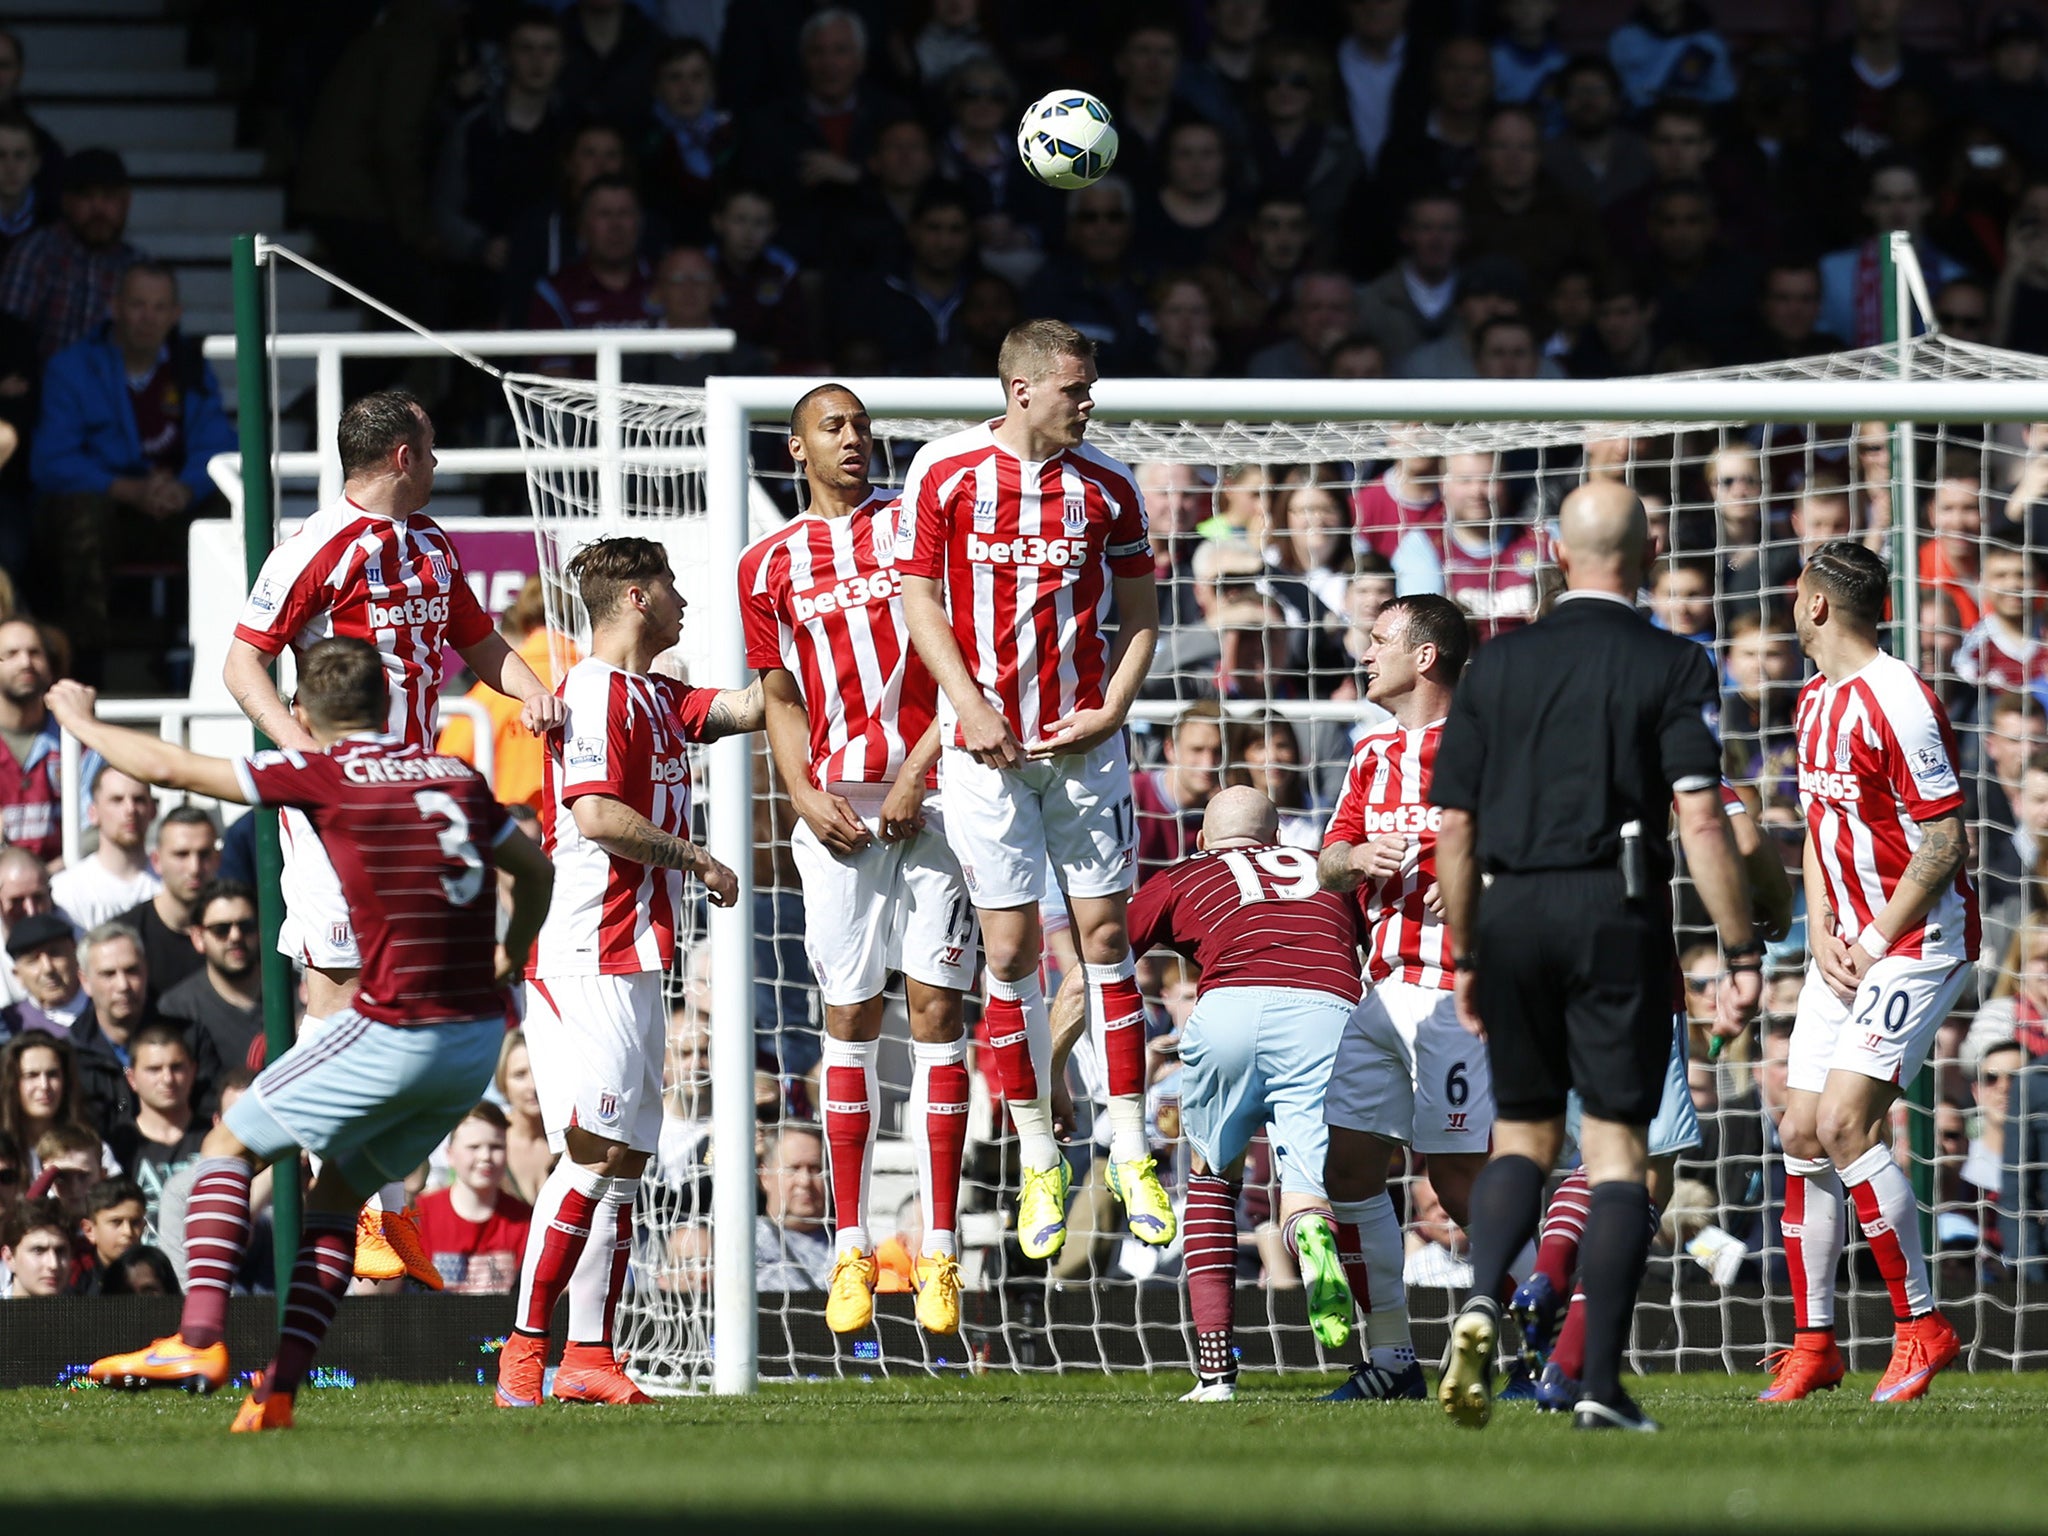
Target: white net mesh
1276,544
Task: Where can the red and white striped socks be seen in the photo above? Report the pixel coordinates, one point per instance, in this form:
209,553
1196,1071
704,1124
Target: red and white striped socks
1369,1248
216,1237
1812,1225
850,1116
1890,1218
1118,1016
599,1278
1020,1036
937,1115
563,1216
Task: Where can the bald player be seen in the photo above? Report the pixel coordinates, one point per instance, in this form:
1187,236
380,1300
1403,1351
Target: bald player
1278,957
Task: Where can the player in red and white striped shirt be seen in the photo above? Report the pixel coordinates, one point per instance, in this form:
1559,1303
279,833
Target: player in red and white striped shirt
1892,926
1407,1073
615,817
1020,543
850,713
377,569
416,839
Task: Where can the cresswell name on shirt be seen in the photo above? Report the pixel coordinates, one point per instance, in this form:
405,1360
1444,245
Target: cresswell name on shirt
880,586
1824,785
1409,819
404,770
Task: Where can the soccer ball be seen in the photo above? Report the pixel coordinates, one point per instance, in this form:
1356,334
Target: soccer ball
1067,140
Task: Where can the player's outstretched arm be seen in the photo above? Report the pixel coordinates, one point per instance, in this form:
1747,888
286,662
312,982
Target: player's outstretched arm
1130,658
983,732
1717,873
533,887
496,663
735,712
247,674
622,831
829,816
149,758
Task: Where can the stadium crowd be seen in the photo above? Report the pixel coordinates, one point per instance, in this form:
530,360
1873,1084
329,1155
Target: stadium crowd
1304,191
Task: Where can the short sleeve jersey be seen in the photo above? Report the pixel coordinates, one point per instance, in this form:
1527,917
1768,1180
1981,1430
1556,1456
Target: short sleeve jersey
1876,758
1025,553
1386,790
627,736
820,596
410,835
1252,917
394,583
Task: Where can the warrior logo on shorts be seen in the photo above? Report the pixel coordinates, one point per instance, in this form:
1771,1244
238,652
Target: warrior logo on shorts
1454,1121
607,1106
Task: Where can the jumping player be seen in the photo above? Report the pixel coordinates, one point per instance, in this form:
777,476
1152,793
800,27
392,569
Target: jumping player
1019,545
373,1086
615,817
851,721
1892,923
1407,1073
377,569
1279,973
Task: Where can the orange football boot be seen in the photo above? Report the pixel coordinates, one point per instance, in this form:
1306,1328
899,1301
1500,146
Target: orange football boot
262,1410
522,1367
590,1373
169,1362
388,1246
1813,1364
1923,1346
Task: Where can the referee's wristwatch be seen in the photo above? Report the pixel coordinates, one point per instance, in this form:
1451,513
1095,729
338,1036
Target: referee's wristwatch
1746,956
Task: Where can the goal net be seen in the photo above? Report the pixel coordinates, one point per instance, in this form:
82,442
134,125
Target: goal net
1279,528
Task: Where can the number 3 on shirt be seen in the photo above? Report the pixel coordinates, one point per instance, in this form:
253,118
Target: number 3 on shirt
464,888
1272,874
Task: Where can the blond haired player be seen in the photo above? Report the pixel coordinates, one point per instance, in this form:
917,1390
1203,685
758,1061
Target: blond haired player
615,817
851,721
1019,545
374,568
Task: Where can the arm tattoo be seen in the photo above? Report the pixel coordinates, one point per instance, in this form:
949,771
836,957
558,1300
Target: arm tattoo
1939,856
648,844
735,711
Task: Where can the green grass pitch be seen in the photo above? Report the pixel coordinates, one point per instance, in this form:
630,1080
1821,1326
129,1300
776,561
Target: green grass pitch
1041,1455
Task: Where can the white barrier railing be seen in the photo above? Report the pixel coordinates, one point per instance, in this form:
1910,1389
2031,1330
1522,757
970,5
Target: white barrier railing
174,717
329,349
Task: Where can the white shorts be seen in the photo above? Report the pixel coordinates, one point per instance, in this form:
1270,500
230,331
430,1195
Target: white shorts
1014,828
596,1045
1408,1071
318,929
1885,1033
890,907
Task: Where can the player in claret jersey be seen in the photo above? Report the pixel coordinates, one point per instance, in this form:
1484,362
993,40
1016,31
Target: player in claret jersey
1406,1073
373,1087
615,816
1018,546
1892,925
375,568
1279,972
851,722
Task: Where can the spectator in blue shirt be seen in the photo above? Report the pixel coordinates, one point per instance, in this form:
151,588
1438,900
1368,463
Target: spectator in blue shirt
130,417
1670,48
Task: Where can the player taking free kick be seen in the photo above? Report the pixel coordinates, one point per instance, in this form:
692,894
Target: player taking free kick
615,817
1019,544
373,1086
1893,928
851,720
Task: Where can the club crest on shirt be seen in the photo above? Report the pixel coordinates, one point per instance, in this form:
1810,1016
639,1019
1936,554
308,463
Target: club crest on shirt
985,515
1076,515
1842,747
438,562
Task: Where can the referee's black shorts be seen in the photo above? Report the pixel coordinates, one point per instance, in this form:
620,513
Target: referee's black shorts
1575,987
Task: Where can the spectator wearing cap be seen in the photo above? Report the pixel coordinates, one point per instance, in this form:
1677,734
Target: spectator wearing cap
1512,207
1488,288
131,416
24,891
60,280
44,950
2012,97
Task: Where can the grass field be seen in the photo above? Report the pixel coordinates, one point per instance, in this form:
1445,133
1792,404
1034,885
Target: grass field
1039,1455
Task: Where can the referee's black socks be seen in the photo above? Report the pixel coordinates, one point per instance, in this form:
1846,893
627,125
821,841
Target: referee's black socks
1507,1205
1612,1256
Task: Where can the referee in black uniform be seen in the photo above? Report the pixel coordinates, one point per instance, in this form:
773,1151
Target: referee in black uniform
1560,760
